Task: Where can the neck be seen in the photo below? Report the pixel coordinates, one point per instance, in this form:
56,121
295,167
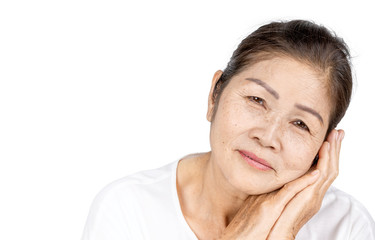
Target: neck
207,195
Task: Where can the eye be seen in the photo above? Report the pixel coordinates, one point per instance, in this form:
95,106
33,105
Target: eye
257,100
301,125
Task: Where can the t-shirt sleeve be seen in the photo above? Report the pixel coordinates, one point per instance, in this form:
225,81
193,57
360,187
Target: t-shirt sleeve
107,218
363,227
366,232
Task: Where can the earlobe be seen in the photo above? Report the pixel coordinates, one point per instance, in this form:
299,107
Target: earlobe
211,97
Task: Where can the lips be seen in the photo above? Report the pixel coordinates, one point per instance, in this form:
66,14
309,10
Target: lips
254,161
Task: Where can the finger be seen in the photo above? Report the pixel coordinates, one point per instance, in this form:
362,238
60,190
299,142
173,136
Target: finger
334,159
324,167
300,208
329,161
280,199
333,166
324,157
293,188
336,155
341,137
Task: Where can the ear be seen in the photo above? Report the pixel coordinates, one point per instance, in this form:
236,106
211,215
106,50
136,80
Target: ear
211,97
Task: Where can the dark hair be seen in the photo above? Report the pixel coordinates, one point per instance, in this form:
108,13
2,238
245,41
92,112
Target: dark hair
304,41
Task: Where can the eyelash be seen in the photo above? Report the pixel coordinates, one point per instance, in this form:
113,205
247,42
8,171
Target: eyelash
298,123
301,125
257,100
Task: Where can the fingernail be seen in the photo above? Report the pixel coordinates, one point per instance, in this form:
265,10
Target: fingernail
342,135
315,172
337,135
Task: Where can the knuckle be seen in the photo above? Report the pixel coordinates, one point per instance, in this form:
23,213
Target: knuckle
292,187
287,187
324,175
337,172
316,207
333,175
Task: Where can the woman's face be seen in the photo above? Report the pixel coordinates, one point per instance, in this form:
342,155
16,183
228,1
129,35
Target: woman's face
270,123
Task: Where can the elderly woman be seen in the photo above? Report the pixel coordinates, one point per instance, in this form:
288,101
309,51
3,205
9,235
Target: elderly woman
274,153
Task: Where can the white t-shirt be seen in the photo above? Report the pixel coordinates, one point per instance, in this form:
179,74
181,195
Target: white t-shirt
145,205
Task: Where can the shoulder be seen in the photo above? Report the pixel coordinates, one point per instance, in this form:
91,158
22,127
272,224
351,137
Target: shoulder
119,208
344,205
341,217
138,182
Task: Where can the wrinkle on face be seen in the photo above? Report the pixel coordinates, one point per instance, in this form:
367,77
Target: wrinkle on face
242,124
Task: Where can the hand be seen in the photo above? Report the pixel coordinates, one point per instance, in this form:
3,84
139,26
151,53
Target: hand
258,214
280,214
308,202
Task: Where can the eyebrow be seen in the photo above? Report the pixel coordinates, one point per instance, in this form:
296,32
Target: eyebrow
277,96
265,85
310,110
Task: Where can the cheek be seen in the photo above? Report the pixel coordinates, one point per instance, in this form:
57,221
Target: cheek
229,122
299,152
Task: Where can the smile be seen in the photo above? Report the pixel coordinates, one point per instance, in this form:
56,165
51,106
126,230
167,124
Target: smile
255,162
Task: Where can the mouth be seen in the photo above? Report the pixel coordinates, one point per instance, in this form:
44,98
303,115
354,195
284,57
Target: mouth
255,162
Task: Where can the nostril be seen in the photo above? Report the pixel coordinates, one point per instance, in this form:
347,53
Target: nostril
266,142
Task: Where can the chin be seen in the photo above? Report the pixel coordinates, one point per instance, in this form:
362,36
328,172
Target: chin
251,189
263,190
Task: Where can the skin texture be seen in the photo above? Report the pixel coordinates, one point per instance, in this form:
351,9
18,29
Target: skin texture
269,130
279,215
221,195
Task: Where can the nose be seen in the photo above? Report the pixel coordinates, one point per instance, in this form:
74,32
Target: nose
268,134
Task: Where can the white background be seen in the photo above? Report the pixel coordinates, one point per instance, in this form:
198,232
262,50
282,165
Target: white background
91,91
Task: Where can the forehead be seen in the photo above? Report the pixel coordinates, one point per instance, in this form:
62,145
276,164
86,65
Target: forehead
288,71
287,74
